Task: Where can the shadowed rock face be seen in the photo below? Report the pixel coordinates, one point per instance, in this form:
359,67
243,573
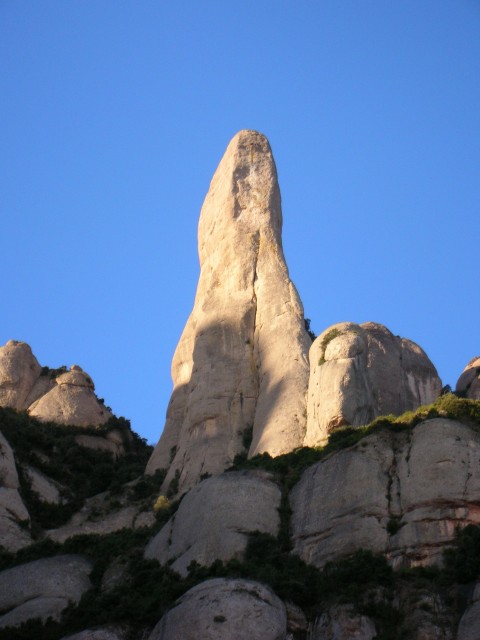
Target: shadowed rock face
220,608
68,398
399,494
215,518
242,358
359,372
469,382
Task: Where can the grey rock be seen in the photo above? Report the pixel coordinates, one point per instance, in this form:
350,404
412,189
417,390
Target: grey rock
108,633
242,358
14,517
220,608
47,489
342,623
214,519
359,372
402,494
42,589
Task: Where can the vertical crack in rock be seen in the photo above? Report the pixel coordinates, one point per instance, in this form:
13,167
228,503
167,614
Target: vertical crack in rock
242,358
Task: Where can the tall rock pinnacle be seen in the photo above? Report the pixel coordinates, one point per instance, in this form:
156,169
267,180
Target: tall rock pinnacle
242,360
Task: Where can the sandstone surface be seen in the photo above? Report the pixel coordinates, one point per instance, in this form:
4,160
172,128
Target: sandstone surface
67,398
401,494
42,589
19,370
71,401
469,382
220,608
214,519
47,489
13,513
359,372
242,358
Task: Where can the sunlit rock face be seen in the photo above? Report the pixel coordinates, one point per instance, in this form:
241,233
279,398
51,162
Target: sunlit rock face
66,398
359,372
402,494
469,382
242,358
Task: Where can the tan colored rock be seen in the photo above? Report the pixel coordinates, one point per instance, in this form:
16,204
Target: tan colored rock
214,519
402,494
71,401
42,589
19,370
359,372
13,514
47,489
242,358
469,382
342,622
219,609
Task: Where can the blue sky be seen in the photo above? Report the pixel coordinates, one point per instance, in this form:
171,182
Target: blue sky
114,115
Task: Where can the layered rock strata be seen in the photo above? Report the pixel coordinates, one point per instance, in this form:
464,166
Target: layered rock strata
65,397
215,518
399,494
241,362
359,372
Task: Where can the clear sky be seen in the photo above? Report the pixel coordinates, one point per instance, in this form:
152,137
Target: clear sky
115,113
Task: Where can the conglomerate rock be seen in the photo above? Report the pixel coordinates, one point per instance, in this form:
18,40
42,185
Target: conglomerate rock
401,494
358,372
220,608
469,382
42,588
13,513
242,358
215,518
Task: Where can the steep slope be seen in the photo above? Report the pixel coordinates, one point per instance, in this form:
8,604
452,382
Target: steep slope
241,362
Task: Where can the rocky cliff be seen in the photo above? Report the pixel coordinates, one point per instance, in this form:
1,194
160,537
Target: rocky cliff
240,370
289,498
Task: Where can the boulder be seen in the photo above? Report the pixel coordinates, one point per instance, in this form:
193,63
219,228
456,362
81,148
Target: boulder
241,362
398,493
42,589
71,401
214,519
14,517
19,370
359,372
469,382
220,608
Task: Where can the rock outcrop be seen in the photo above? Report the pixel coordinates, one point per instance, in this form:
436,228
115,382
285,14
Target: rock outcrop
469,627
13,513
469,382
42,589
221,608
215,518
65,397
359,372
343,623
400,494
242,358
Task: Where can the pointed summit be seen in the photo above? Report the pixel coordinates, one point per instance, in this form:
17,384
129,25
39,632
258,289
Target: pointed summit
241,366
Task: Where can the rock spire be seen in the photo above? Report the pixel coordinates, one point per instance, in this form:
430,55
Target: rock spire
241,365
